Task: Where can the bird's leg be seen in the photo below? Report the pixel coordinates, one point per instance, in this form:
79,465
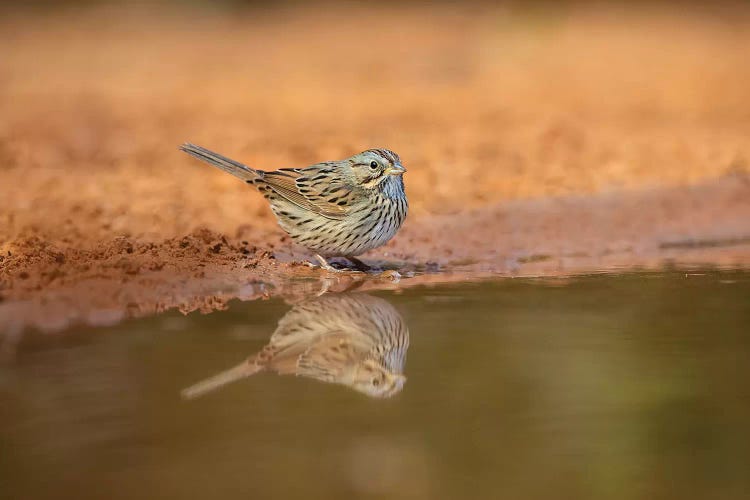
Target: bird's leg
361,266
325,265
325,285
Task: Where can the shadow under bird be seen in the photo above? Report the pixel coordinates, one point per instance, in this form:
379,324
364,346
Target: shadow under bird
335,208
355,340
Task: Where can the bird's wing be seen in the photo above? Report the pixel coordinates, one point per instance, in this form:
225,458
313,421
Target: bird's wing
317,188
329,358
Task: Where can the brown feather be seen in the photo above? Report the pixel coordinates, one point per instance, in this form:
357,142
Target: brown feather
298,187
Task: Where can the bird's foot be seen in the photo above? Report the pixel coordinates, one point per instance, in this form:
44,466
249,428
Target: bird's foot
326,266
358,266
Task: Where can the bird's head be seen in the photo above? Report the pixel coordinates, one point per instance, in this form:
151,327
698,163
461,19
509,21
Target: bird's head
375,381
374,166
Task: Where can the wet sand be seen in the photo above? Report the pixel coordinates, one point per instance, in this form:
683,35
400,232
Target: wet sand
578,142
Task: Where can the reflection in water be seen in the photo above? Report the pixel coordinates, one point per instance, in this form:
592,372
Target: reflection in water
355,340
611,387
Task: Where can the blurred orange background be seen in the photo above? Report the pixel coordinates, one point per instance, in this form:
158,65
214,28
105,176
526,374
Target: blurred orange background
484,104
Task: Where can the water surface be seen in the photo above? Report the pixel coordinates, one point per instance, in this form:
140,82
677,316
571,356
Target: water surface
628,386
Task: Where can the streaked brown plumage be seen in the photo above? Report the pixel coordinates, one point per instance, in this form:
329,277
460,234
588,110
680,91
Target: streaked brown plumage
340,208
354,340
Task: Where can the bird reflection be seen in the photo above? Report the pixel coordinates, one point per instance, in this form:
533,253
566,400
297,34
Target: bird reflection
354,340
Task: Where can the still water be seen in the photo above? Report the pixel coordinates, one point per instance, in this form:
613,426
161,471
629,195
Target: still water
620,387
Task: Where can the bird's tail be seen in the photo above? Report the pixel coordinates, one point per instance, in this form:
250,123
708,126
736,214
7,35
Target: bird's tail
210,384
235,168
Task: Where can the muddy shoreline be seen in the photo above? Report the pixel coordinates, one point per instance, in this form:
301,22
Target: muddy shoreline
51,287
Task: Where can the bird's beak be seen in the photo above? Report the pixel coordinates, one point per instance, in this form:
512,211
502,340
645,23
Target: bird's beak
395,170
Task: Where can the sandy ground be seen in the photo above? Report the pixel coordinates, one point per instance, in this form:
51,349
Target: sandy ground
537,143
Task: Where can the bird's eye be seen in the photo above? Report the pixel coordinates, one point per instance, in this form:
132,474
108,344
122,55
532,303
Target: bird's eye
375,382
373,165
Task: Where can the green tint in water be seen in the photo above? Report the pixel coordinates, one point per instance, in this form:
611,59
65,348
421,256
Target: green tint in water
601,387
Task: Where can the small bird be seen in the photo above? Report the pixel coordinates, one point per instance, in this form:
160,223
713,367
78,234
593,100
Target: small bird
355,340
337,208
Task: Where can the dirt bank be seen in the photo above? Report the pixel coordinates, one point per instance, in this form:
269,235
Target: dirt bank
572,142
50,286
